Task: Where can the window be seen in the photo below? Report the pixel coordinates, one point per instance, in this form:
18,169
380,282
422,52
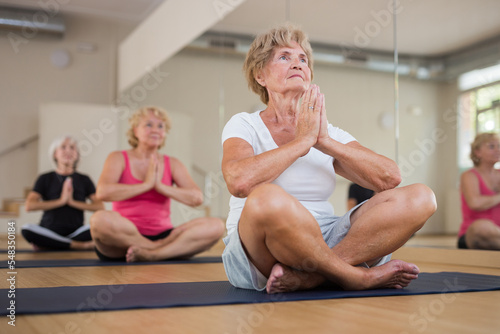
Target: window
479,109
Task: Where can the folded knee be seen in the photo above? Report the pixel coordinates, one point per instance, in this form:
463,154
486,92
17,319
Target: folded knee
419,203
101,221
268,200
482,229
217,228
423,199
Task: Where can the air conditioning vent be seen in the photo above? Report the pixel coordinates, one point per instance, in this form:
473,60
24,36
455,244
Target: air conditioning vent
31,22
224,43
357,56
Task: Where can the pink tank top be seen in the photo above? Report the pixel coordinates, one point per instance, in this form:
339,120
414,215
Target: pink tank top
469,215
150,211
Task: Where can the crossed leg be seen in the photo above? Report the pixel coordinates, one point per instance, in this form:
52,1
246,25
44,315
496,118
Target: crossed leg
483,234
116,237
43,238
284,241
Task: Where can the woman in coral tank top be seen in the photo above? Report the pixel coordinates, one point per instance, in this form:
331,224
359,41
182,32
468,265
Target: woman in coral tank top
141,183
480,195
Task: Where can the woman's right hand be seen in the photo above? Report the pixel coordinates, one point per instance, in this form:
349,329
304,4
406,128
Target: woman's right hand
309,121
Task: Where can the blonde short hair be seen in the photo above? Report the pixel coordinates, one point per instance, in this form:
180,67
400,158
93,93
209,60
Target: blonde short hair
56,143
262,49
480,139
138,115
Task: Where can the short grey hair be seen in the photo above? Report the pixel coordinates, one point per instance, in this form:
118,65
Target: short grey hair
56,143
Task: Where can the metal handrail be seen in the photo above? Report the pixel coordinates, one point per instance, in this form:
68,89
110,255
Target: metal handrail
19,145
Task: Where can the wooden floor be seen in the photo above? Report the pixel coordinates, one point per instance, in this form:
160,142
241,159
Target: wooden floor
477,312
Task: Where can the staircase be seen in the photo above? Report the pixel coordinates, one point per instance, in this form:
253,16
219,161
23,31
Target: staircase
13,209
10,208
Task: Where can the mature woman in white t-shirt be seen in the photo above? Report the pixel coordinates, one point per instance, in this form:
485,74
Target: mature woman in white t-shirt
280,164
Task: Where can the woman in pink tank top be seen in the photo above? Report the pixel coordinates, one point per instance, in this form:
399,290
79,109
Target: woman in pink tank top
141,183
480,196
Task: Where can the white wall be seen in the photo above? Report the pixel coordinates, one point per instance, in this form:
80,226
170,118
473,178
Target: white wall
29,79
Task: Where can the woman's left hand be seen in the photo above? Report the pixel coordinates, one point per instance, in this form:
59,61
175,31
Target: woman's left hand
323,127
67,190
159,175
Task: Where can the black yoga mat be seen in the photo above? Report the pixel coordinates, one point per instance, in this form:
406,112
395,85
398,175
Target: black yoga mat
97,262
163,295
31,250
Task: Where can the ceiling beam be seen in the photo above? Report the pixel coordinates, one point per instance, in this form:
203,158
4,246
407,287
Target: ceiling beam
172,26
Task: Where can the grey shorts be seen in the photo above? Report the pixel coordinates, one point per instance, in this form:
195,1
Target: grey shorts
243,274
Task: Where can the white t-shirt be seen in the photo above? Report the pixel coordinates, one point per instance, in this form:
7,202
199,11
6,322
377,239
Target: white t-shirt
310,179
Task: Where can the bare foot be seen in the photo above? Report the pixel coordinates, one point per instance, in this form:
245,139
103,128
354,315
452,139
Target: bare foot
82,245
395,274
286,279
38,248
139,254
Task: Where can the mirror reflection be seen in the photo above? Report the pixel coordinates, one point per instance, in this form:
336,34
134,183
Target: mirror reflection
441,104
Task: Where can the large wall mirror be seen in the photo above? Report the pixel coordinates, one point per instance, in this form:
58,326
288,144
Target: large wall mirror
440,43
409,115
354,66
414,115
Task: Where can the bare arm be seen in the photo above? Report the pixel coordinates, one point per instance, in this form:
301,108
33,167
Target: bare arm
108,186
34,202
469,185
94,204
363,166
185,190
243,171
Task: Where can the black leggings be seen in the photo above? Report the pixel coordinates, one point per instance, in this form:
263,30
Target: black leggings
47,239
461,243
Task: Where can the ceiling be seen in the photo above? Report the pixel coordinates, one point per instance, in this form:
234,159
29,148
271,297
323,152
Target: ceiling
128,10
424,27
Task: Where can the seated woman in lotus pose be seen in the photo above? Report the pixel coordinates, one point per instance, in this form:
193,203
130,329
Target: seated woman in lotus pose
480,190
141,182
63,195
280,165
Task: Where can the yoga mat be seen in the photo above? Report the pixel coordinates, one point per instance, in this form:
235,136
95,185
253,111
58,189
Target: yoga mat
31,250
97,262
163,295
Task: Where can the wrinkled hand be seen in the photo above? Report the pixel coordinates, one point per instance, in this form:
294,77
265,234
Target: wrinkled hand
323,129
309,122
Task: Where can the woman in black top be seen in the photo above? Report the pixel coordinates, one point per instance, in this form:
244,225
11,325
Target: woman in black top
62,195
358,194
